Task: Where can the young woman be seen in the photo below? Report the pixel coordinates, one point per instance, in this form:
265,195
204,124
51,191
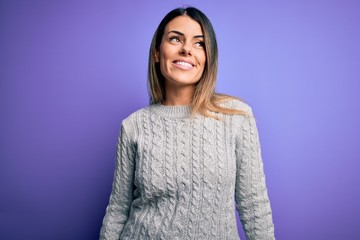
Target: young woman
183,159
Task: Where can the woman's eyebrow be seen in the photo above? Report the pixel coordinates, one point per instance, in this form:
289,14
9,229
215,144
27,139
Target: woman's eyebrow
182,34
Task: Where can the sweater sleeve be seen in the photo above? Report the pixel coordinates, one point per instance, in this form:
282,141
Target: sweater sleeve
251,195
121,197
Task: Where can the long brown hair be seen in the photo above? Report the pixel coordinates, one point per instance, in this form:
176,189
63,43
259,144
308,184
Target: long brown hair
205,99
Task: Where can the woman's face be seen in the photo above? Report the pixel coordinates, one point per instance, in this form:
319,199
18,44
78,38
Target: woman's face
181,53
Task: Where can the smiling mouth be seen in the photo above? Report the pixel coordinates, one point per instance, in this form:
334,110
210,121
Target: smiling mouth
183,64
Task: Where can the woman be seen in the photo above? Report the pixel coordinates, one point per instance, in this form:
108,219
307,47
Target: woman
181,160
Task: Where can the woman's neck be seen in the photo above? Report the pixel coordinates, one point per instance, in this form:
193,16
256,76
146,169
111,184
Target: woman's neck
179,96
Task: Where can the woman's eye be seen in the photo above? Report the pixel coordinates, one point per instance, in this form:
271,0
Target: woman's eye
200,44
174,39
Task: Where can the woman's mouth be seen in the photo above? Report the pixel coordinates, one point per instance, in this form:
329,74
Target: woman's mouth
183,65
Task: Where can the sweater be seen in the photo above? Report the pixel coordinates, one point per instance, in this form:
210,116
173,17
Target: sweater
179,177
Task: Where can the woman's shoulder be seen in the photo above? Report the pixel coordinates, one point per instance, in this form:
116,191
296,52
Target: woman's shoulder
129,123
132,118
235,103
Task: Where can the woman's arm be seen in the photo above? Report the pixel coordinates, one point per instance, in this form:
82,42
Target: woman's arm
117,211
251,196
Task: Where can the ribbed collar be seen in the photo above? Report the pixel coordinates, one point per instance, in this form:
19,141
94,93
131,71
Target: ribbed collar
171,111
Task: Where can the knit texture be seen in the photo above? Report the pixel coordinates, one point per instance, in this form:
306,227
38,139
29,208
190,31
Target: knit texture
176,177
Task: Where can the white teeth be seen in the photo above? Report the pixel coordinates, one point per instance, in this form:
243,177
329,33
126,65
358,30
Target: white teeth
186,64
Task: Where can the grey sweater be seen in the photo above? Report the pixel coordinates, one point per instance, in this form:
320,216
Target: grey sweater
176,177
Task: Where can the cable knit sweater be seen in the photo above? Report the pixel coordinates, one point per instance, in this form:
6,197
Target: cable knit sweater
176,177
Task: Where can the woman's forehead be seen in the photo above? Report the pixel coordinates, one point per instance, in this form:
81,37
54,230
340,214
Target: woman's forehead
184,24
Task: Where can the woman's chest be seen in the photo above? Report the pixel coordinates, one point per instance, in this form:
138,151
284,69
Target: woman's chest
182,155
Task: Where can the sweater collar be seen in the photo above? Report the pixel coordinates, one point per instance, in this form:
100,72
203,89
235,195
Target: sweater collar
171,111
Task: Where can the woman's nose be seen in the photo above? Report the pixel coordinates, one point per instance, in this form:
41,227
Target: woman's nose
186,49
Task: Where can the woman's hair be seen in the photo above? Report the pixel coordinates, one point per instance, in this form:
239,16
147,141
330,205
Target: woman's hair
205,99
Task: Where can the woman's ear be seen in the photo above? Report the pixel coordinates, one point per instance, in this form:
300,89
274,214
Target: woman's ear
156,56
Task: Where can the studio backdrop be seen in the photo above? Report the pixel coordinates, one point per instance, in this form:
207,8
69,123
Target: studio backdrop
71,71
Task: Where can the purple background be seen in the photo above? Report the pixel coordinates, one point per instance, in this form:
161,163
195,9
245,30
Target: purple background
70,71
